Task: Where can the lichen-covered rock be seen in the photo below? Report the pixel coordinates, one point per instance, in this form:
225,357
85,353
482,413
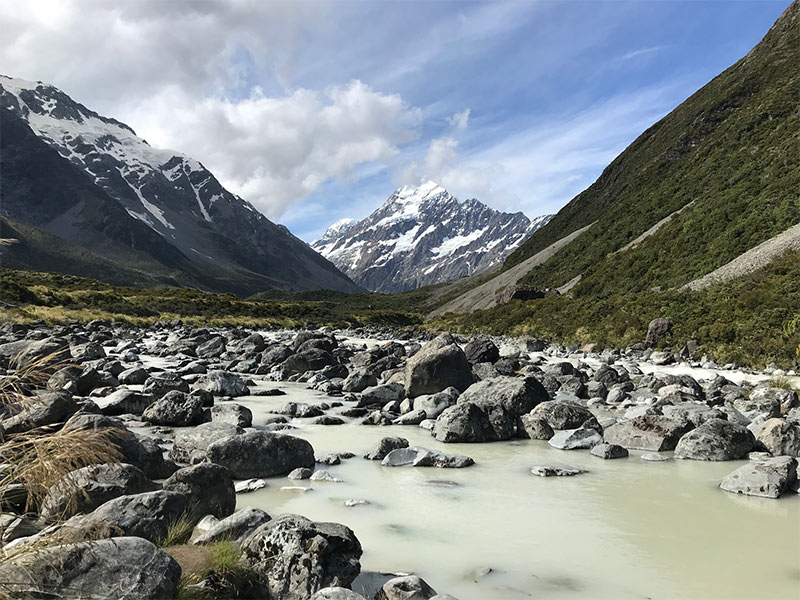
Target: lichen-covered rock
122,568
438,365
647,432
766,478
208,487
781,437
716,439
297,557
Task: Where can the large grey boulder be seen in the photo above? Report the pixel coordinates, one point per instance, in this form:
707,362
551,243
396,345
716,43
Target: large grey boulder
423,457
464,423
160,384
312,359
222,383
85,489
716,439
385,445
608,451
234,528
23,352
504,400
481,350
296,557
647,432
766,478
359,380
780,437
786,399
133,376
140,451
438,365
409,587
208,487
563,414
122,568
177,409
124,402
190,445
232,413
382,394
261,454
47,408
146,515
758,405
656,331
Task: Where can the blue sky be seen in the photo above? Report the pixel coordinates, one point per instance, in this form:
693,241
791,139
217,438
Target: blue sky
316,111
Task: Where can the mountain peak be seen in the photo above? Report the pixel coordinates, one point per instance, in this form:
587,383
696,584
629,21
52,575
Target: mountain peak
423,235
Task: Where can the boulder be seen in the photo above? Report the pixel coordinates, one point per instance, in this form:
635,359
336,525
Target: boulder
759,405
47,408
409,587
385,445
313,359
261,454
381,394
535,427
20,353
504,400
140,451
781,437
190,445
562,414
481,350
422,457
464,423
786,399
85,489
234,528
575,439
208,487
297,557
439,364
656,331
435,404
555,471
177,409
609,451
359,380
146,515
647,432
123,568
716,439
222,383
232,414
124,402
299,410
766,478
133,376
158,385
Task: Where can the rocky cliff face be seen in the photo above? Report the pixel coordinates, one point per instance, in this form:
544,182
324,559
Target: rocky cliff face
421,236
128,199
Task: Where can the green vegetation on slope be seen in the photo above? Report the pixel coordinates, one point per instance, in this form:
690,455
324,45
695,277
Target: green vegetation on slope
733,147
55,297
748,320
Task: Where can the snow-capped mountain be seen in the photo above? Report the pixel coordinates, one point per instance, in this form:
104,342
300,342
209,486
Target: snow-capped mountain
108,191
421,236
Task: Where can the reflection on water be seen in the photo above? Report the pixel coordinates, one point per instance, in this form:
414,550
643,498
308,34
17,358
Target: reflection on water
627,529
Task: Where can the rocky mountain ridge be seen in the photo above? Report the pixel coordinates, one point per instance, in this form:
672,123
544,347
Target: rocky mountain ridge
423,235
108,191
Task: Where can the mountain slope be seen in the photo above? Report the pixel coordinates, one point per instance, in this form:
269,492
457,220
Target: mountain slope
732,148
108,191
421,236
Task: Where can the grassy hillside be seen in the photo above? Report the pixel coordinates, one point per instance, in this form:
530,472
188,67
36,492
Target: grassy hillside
754,320
733,148
55,297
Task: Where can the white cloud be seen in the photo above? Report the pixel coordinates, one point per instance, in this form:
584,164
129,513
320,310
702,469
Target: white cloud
459,120
277,150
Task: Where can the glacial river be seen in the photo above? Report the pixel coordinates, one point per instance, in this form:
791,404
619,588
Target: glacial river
628,528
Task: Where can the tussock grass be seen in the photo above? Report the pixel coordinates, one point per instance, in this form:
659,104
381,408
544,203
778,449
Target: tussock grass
178,532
